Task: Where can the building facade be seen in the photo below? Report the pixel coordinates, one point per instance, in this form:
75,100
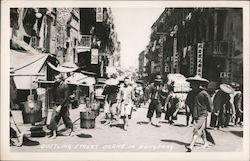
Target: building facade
99,46
203,41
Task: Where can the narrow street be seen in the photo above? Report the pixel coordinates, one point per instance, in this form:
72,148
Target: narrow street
140,137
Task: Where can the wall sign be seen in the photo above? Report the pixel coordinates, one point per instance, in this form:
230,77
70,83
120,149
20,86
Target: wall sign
199,58
175,54
94,56
99,14
191,60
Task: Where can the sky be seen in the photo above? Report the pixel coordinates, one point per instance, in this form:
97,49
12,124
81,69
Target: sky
133,26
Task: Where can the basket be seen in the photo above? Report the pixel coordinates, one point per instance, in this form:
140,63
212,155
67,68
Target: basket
87,119
32,115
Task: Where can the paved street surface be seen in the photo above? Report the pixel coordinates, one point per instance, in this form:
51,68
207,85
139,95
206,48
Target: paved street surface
140,137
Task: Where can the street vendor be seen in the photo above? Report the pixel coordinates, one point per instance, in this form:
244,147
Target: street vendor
110,91
61,96
223,107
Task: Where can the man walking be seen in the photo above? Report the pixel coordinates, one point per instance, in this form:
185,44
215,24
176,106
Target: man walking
61,96
110,91
222,107
200,103
125,100
157,95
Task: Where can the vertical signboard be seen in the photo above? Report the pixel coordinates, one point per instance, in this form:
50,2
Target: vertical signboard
152,67
199,58
94,56
191,60
99,14
175,54
161,54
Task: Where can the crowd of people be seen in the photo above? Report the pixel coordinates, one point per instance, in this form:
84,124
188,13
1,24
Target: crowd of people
224,105
122,98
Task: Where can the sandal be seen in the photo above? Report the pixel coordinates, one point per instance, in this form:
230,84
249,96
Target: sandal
188,148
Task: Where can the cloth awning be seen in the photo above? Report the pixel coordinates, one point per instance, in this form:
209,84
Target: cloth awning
24,65
79,78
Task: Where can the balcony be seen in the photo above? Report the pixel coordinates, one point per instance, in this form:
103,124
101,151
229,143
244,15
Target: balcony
218,48
84,43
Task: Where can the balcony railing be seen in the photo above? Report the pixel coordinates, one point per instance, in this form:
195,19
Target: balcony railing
219,48
85,41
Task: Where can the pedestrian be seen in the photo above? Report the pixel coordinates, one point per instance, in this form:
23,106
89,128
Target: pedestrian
171,105
223,108
110,91
138,100
61,95
157,95
199,101
125,98
238,103
146,95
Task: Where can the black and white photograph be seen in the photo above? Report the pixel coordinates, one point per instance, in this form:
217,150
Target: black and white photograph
137,78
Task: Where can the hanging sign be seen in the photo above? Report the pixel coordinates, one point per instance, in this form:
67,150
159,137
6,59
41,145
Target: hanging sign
94,56
191,60
199,58
175,54
99,14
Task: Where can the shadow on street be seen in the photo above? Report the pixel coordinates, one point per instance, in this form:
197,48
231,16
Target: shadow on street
174,141
118,125
142,122
84,135
237,133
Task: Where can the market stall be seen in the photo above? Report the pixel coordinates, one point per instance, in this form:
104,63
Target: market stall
28,68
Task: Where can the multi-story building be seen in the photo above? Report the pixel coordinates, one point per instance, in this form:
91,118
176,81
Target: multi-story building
98,47
68,28
204,41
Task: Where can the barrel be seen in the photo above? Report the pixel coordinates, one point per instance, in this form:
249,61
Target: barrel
87,120
32,115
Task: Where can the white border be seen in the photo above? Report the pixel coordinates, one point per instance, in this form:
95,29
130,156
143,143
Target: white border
6,155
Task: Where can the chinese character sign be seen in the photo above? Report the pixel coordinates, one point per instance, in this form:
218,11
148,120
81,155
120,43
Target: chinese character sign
99,14
199,58
175,55
94,56
191,60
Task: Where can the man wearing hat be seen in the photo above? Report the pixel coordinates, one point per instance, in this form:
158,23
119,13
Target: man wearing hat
156,96
200,103
222,107
61,96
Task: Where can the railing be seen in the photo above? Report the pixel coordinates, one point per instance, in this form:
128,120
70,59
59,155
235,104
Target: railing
85,41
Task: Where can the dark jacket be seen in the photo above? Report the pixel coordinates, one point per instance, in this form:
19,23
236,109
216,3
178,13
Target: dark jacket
220,99
199,102
61,94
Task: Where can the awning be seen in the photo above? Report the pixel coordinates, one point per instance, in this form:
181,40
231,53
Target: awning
24,65
17,44
82,49
79,78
